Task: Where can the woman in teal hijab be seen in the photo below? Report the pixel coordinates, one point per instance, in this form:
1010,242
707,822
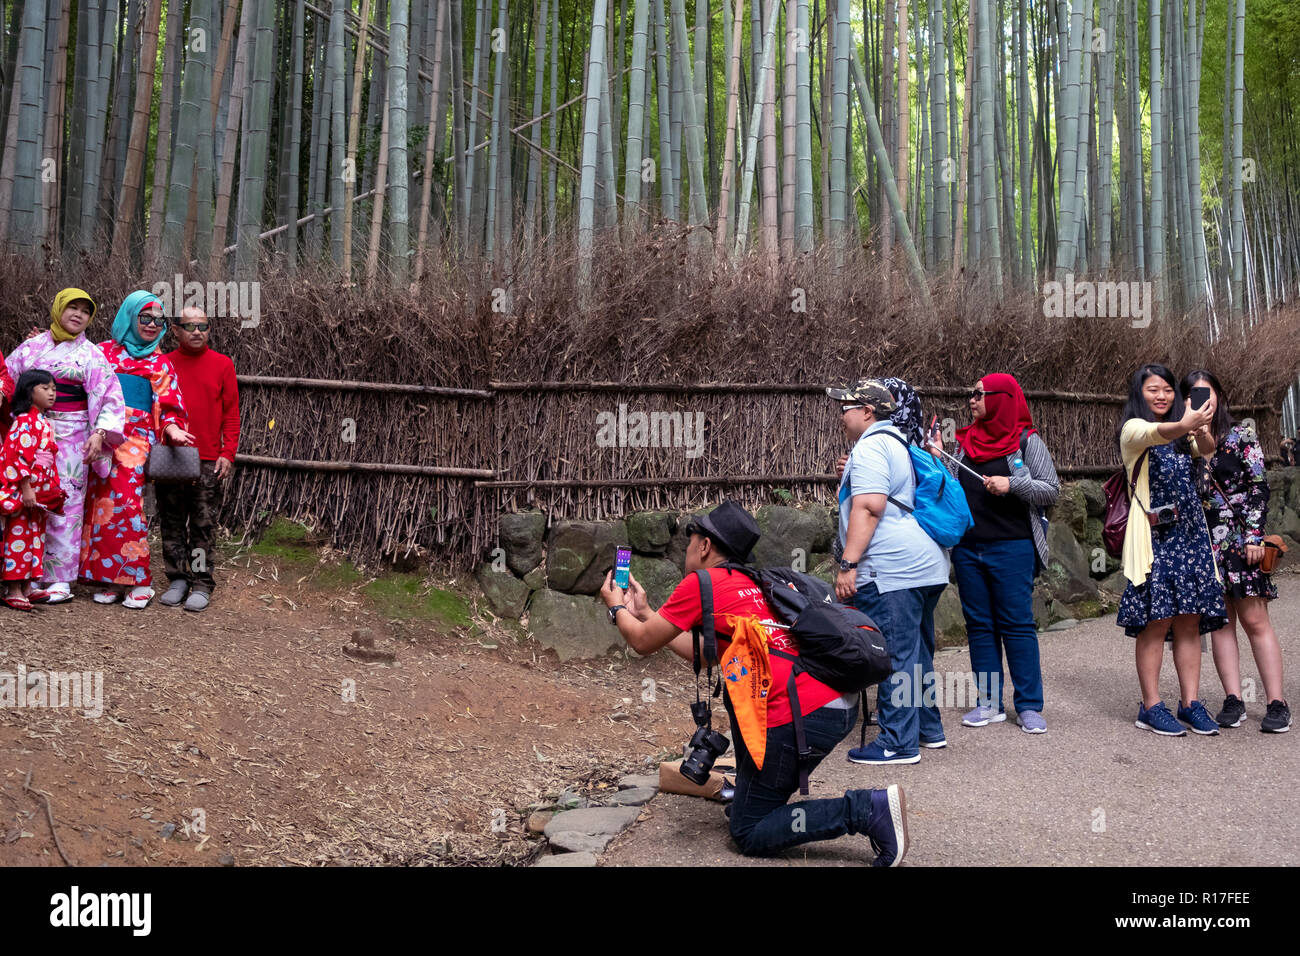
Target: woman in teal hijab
139,341
115,547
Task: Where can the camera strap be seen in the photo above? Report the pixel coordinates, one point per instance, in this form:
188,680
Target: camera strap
705,639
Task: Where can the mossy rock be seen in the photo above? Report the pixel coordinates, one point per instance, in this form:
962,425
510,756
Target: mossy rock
505,593
407,596
1071,510
288,541
650,531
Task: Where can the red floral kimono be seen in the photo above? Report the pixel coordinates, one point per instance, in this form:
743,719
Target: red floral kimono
29,452
114,539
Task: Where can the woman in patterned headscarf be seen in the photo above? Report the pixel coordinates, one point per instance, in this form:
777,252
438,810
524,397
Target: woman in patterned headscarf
87,418
114,543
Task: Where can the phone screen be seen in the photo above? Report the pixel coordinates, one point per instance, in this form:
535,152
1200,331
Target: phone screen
622,564
1200,395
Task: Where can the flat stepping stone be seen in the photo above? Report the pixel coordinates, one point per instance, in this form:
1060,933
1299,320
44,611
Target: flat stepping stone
567,859
633,797
635,780
590,829
1064,625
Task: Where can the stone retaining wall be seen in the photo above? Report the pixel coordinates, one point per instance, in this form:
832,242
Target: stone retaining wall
552,570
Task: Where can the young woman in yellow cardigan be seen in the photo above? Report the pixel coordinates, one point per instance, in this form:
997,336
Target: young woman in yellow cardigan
1167,558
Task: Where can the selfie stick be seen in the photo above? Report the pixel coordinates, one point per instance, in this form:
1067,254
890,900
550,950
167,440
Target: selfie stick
970,471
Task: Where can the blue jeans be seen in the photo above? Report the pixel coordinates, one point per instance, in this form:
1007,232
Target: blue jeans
995,580
763,822
906,619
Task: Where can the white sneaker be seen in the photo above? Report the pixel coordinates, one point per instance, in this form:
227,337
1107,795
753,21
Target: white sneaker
138,598
107,597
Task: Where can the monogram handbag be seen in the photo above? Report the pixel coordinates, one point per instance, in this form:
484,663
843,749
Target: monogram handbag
172,464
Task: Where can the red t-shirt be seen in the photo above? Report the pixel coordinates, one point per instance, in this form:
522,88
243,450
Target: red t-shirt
211,395
739,596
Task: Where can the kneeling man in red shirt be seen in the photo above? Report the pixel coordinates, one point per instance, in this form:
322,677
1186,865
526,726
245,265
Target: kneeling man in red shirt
763,822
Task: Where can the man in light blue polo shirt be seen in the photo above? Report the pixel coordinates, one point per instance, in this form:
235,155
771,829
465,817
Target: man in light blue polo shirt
890,569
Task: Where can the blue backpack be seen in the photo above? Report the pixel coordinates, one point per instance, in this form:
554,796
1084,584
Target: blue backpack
941,508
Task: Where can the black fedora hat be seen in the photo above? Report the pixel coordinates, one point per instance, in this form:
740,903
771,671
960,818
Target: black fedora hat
731,526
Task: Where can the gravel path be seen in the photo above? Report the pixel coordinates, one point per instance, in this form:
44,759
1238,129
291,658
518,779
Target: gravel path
1093,790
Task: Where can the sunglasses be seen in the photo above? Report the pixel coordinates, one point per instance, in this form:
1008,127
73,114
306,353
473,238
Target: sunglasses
978,393
845,409
195,326
155,320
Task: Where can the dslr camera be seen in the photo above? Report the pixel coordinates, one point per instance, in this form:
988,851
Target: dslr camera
706,745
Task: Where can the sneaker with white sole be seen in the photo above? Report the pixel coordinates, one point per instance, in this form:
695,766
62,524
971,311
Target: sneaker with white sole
1031,722
875,752
887,830
934,744
1195,715
1158,720
107,597
1278,718
138,598
982,717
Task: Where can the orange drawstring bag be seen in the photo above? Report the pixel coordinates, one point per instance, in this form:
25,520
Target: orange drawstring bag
748,673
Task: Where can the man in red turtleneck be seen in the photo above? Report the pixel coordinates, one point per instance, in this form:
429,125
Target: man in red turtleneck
189,512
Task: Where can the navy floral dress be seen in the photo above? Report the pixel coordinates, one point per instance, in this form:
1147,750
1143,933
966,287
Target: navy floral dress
1182,579
1235,492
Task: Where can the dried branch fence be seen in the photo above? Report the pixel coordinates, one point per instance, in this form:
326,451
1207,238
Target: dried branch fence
443,462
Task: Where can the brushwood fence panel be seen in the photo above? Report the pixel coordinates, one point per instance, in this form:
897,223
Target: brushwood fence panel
406,472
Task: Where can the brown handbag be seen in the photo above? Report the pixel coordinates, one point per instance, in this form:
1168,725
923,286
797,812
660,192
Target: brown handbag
1274,548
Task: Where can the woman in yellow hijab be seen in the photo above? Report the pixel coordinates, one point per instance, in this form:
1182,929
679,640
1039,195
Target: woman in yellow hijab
88,418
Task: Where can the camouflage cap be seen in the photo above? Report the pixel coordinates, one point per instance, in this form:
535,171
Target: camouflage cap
866,391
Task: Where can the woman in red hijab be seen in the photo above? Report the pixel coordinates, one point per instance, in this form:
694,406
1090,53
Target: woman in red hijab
997,560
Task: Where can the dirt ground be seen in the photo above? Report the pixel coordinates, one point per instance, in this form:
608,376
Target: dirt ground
240,713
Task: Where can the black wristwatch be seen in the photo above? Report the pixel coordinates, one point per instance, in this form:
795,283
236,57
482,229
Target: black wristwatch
613,613
849,566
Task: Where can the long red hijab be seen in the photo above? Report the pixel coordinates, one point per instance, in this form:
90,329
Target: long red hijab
1006,416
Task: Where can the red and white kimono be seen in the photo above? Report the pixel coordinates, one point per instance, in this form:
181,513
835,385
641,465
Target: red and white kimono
29,452
114,539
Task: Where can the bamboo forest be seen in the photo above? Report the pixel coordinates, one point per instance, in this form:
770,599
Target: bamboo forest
1001,142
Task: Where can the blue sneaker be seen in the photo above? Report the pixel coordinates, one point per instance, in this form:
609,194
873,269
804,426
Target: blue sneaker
887,830
1031,722
1198,718
982,717
1158,720
875,752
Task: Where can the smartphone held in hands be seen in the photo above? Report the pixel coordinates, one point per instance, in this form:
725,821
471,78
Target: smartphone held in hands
1200,395
622,566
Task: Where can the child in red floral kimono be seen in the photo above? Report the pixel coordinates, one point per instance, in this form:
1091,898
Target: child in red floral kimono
29,487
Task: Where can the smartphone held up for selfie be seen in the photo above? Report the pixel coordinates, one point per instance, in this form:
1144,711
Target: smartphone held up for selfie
622,566
1200,395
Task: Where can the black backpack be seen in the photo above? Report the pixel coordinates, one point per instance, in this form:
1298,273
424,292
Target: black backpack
838,645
